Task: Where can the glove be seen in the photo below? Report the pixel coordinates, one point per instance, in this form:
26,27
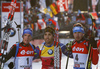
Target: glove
11,65
1,55
93,42
68,46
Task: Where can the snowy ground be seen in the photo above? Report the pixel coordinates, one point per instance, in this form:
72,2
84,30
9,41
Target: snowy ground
37,65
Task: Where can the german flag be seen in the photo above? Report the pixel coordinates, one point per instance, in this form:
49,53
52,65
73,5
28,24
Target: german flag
53,7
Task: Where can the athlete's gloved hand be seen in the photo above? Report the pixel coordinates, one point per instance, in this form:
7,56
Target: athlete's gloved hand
93,42
68,46
11,65
2,55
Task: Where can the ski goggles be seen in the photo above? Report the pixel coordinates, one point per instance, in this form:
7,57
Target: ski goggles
78,29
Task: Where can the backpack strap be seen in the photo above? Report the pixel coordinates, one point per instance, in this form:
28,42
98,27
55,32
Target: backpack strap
42,45
36,51
17,48
31,46
87,44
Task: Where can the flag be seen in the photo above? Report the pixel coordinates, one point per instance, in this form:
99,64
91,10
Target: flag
94,25
53,7
56,20
48,11
41,24
93,5
55,23
42,5
94,15
32,26
62,5
36,26
28,6
81,18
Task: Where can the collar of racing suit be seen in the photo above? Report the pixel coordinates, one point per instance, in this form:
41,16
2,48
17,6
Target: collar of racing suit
23,44
81,40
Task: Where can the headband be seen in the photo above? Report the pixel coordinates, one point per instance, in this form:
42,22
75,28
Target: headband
27,31
78,29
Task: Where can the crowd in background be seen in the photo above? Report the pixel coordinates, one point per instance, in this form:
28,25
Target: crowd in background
65,19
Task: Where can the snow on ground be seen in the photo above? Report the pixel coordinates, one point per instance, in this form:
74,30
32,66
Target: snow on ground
37,65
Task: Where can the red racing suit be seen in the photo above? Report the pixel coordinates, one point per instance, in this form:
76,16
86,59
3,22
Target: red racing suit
24,57
80,52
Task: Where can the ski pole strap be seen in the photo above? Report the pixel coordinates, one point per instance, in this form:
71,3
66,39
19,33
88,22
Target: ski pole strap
17,47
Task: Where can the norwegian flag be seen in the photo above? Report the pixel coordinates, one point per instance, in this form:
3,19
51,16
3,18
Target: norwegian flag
62,5
41,24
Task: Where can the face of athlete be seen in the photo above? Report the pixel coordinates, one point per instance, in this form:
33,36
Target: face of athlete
27,38
49,38
78,36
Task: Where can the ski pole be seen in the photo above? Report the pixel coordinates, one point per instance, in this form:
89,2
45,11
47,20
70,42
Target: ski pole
56,51
88,63
67,61
89,58
69,45
18,26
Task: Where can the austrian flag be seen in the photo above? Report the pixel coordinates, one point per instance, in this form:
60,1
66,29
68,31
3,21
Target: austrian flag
62,5
41,24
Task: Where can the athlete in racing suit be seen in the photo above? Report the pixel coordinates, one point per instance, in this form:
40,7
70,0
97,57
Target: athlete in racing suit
23,52
47,49
80,47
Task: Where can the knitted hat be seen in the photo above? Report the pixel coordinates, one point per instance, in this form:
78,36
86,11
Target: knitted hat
50,29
